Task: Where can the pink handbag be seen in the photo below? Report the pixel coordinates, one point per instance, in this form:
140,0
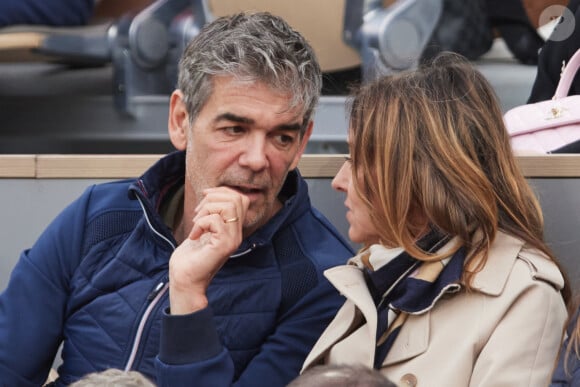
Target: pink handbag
551,126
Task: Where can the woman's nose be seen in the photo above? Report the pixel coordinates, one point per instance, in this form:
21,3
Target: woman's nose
342,178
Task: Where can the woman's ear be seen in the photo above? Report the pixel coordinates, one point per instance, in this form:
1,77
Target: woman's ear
178,120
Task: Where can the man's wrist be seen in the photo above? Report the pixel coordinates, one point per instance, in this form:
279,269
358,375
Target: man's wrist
185,303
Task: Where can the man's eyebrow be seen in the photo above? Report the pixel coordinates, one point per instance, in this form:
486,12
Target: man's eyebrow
290,127
234,118
248,121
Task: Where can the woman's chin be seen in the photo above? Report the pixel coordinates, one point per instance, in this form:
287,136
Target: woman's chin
355,237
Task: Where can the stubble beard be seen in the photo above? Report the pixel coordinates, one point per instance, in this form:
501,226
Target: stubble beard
258,212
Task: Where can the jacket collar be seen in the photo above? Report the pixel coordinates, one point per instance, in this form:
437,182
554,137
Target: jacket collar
152,186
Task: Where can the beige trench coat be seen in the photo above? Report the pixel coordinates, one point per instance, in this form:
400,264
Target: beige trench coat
506,333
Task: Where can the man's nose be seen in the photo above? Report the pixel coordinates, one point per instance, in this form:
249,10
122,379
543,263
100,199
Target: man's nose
254,154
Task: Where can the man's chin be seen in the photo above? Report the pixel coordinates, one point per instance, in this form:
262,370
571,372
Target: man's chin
255,220
252,222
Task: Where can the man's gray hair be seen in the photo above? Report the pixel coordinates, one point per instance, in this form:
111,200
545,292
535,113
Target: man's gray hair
250,47
113,378
341,375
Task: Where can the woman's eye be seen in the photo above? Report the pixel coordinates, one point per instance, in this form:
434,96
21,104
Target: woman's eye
348,159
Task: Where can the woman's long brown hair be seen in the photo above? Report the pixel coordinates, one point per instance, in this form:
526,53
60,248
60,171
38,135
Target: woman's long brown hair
430,145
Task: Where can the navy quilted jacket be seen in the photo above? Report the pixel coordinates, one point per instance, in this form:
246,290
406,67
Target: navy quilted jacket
96,281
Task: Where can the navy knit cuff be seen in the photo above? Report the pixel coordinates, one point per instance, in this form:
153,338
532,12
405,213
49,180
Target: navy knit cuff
188,338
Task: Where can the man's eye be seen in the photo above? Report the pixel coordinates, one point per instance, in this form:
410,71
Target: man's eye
285,140
234,129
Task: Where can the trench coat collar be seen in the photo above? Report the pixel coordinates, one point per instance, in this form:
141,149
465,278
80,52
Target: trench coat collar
413,339
502,255
349,281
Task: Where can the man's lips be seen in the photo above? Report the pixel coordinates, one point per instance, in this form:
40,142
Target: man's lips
248,190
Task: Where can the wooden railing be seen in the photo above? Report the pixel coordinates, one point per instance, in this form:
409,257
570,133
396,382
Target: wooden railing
311,166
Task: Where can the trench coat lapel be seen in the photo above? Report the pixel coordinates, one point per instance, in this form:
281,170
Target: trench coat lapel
412,340
349,281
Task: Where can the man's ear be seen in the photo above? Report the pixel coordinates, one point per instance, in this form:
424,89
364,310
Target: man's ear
178,123
303,143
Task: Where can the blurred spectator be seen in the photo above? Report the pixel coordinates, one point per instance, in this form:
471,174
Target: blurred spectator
46,12
510,19
341,376
559,48
469,27
113,378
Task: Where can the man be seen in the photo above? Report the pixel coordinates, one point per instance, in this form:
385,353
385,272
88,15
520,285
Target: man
207,270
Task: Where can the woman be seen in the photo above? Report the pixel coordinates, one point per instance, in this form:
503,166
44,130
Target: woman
454,285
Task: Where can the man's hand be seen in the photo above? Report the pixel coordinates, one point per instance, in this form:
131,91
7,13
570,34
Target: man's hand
216,233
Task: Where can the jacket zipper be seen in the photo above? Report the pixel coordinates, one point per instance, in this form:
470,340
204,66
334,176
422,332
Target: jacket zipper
153,298
157,293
